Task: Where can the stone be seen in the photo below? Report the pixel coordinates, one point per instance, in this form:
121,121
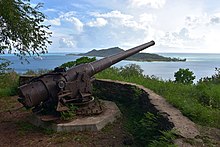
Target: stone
184,126
83,123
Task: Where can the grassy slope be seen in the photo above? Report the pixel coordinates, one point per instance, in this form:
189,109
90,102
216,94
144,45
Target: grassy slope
184,97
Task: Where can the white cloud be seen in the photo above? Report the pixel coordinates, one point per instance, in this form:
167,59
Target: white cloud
50,10
78,24
203,32
118,19
152,3
66,18
215,20
67,43
147,18
70,17
112,14
55,21
212,40
202,20
99,22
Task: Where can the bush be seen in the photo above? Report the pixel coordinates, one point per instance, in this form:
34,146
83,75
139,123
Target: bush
184,76
37,72
214,79
4,65
78,61
8,79
131,70
8,87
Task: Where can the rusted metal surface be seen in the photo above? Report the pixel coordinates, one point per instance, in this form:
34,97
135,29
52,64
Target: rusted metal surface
92,108
56,89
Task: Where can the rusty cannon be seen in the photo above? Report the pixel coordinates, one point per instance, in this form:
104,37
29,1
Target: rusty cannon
56,90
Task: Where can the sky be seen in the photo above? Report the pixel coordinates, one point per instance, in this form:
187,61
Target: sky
177,26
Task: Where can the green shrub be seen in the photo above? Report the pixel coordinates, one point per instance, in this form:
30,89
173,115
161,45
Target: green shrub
214,79
83,60
164,140
184,76
78,62
8,79
4,65
208,94
146,129
36,72
8,84
69,114
131,70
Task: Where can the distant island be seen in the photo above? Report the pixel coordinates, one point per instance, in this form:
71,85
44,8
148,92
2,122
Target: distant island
137,57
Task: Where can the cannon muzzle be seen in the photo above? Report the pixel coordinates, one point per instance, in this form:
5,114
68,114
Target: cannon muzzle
104,63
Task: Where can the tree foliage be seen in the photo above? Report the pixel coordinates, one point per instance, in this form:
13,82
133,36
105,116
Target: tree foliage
78,61
4,65
184,76
131,70
214,79
21,28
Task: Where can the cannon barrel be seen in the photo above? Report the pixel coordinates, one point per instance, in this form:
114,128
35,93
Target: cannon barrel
104,63
99,65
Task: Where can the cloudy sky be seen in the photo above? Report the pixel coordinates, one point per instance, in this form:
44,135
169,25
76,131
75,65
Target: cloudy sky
175,25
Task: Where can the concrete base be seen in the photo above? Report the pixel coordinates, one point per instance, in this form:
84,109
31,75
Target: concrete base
87,123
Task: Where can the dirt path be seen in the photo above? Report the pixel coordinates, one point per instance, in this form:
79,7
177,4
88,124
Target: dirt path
16,131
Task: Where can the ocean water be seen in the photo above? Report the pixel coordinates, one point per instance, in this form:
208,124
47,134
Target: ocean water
202,65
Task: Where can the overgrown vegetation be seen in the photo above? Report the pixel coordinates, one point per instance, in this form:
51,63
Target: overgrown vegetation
78,62
184,76
143,125
4,65
36,72
8,79
199,102
8,84
69,114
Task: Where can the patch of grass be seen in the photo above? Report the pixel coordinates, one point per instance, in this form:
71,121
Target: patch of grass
81,138
107,128
61,137
208,142
8,84
8,91
69,114
165,140
48,131
7,103
25,128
